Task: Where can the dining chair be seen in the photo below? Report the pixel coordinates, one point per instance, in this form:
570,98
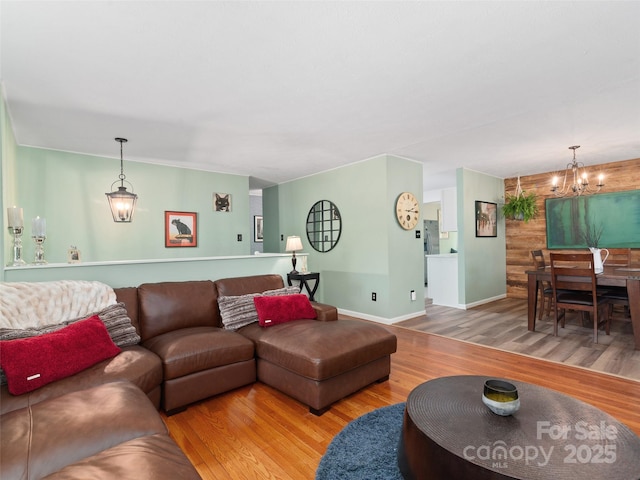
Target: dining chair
574,284
544,286
620,258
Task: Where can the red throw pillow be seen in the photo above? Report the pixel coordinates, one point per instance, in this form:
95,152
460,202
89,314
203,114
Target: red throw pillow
283,308
30,363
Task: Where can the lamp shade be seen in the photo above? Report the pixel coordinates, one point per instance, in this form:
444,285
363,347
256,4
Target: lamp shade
122,204
293,244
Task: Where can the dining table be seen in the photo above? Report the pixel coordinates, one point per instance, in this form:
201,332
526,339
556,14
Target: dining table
611,276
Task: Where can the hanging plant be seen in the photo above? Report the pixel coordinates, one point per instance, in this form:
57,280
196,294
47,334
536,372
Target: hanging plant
521,206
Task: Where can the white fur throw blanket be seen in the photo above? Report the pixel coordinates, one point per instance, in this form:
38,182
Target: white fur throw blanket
35,304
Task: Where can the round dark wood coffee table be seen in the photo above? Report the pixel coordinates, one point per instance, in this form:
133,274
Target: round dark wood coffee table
448,433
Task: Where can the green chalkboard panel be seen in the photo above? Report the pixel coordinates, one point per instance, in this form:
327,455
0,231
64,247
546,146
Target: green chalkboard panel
616,215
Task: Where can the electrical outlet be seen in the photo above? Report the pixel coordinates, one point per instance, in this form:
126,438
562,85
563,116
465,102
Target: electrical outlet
373,296
239,237
413,295
281,237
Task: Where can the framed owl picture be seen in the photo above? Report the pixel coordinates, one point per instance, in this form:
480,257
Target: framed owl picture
221,202
180,229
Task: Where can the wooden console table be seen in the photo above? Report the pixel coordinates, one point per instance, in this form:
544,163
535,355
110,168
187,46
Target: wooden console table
448,433
613,276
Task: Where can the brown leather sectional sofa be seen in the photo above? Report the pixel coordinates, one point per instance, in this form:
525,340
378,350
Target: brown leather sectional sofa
314,361
100,423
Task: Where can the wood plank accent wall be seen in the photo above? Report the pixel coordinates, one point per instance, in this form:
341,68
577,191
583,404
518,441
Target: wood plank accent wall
523,237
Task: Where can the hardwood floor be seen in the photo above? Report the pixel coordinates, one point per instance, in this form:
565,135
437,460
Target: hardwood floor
256,432
503,324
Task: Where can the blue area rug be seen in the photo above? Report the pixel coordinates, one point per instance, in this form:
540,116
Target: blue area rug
367,448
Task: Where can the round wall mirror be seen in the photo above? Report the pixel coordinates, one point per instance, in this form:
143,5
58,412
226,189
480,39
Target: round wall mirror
324,226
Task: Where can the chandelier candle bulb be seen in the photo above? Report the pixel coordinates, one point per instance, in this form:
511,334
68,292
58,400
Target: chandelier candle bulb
15,217
38,227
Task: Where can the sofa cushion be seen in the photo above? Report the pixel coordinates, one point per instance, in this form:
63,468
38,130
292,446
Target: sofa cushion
240,310
136,364
118,323
30,363
250,284
237,310
168,306
46,437
320,350
284,308
128,296
114,317
155,457
191,350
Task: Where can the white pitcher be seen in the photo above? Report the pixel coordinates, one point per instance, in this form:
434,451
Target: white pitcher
598,261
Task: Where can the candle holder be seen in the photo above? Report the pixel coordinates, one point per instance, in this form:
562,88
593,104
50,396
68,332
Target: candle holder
17,247
39,256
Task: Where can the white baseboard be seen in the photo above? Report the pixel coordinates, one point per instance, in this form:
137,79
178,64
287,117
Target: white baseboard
385,321
483,301
391,321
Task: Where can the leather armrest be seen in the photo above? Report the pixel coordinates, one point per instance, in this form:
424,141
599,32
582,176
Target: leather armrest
326,313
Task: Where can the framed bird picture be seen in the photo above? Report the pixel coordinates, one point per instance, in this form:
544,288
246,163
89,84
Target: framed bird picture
180,229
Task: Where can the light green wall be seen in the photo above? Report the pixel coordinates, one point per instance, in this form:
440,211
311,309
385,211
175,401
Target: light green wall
406,252
7,178
481,261
374,254
69,191
271,215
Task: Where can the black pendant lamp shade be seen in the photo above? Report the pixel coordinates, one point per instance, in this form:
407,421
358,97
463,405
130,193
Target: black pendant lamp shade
121,202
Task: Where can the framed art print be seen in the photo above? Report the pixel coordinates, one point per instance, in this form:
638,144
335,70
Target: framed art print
221,202
180,229
73,255
486,219
257,228
616,215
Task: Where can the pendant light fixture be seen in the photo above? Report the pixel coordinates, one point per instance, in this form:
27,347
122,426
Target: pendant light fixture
121,202
575,180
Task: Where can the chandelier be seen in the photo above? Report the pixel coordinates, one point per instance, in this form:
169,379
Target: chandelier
575,179
121,202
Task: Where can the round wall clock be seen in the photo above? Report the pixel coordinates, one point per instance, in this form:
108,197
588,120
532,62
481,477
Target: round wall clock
407,210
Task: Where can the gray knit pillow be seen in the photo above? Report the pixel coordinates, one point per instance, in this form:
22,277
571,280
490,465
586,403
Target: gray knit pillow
114,317
118,323
239,310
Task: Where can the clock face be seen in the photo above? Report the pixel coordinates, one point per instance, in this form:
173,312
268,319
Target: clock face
407,210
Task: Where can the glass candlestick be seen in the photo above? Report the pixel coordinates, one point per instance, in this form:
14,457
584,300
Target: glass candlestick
17,247
39,257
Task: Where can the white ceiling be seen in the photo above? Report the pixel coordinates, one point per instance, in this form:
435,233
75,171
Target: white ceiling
281,90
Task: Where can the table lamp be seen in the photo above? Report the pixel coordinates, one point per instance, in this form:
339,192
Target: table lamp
293,243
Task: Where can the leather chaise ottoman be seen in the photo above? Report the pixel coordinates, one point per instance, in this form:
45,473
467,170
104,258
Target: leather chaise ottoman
319,363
